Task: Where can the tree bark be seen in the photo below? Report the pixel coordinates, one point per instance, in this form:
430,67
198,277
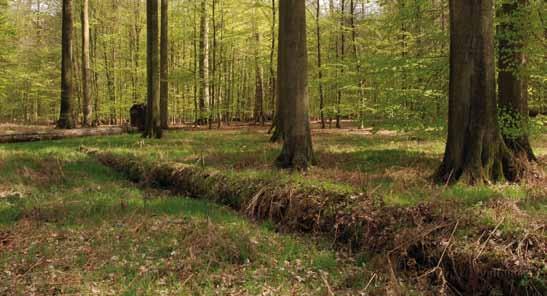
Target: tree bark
66,118
85,64
259,79
297,149
272,70
319,65
153,126
475,151
513,79
342,60
204,66
164,65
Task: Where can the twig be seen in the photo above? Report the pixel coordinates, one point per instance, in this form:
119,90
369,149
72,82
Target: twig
329,289
369,282
449,242
33,266
488,239
186,280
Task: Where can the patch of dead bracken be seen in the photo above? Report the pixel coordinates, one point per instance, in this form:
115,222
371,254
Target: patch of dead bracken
419,240
49,171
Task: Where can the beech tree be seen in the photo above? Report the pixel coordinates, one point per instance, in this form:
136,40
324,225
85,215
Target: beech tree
203,65
164,65
297,151
513,77
475,150
66,117
153,126
319,63
86,102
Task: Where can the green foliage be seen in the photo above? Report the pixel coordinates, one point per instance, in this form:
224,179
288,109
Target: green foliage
512,124
393,69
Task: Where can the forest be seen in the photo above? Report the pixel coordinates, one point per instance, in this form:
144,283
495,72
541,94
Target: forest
273,147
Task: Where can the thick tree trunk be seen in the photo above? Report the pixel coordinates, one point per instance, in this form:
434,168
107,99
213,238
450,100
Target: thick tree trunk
512,78
164,65
475,151
153,127
85,64
297,150
204,66
66,118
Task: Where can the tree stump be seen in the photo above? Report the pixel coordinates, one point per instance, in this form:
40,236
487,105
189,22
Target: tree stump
138,116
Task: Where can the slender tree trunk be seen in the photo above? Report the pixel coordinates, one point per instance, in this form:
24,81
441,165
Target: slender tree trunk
204,66
164,65
259,79
292,67
342,58
512,78
273,91
319,65
153,125
85,64
213,67
66,118
475,151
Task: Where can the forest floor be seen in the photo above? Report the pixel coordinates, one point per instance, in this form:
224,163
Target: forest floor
69,225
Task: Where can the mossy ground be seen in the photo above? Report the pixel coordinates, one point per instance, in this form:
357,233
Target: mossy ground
71,225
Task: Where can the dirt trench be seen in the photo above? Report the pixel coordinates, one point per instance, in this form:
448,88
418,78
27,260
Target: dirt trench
418,242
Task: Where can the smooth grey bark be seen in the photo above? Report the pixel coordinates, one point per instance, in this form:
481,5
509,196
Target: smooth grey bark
152,126
319,64
204,97
66,118
164,65
512,77
86,102
475,151
292,76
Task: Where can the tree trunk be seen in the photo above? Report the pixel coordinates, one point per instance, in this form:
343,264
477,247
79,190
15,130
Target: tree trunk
153,126
85,64
66,118
204,66
164,65
342,61
259,79
272,70
512,78
320,74
297,150
475,151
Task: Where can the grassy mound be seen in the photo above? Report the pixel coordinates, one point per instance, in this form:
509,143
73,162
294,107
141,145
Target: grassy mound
437,243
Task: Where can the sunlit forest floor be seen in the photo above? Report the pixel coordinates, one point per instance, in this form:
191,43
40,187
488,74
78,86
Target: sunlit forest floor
70,225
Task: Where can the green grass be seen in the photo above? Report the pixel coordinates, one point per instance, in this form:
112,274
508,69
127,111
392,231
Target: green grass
74,226
71,225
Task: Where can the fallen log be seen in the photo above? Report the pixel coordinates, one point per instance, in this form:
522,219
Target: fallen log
418,238
54,134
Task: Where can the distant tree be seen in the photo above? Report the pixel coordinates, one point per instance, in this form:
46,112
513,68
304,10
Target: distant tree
259,76
153,127
204,99
85,64
292,74
66,117
513,37
164,65
319,63
475,151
